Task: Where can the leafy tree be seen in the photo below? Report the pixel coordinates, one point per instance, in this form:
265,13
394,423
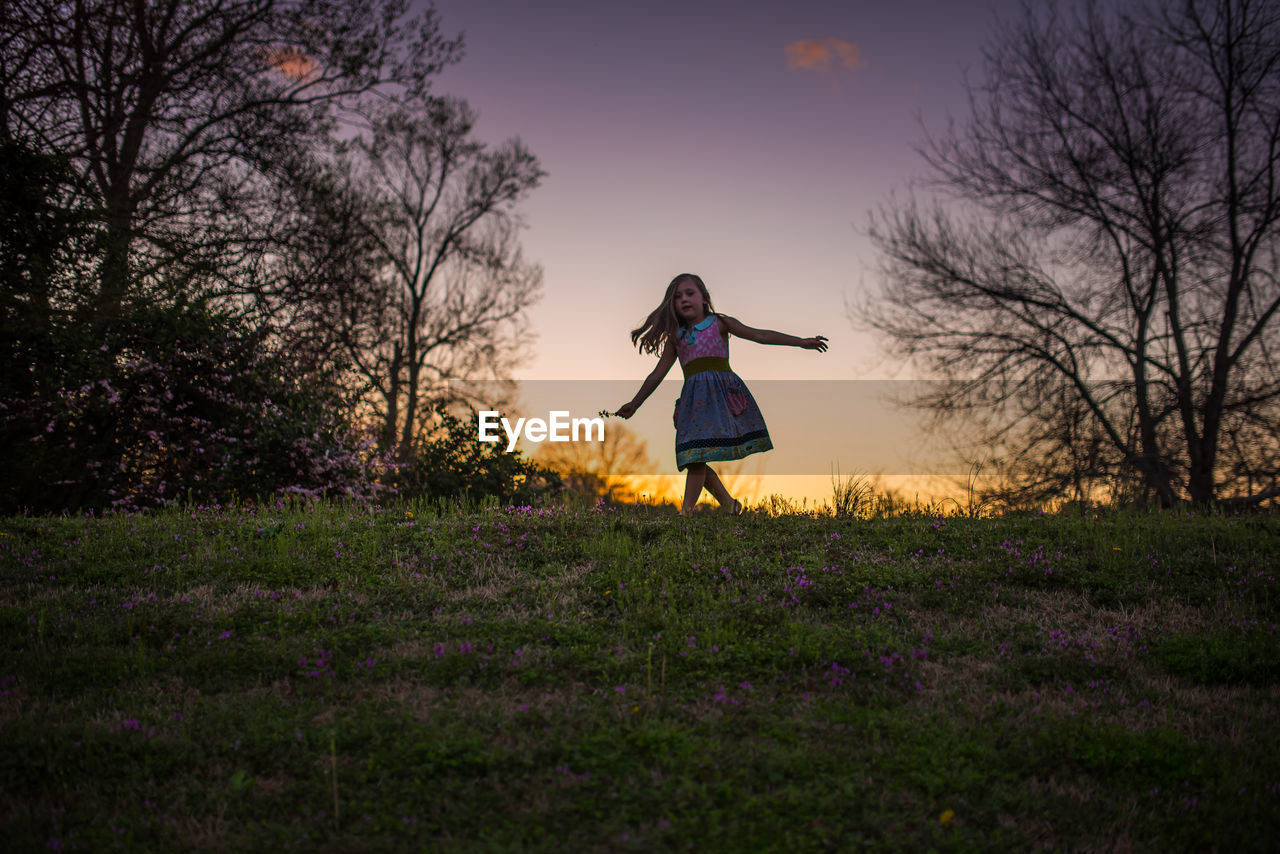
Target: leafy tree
39,243
167,399
1097,277
200,157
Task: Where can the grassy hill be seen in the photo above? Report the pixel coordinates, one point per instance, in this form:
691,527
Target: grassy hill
577,679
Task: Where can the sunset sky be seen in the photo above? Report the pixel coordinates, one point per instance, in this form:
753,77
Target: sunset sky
744,141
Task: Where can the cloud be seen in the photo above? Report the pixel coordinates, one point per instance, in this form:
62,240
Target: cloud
820,54
291,62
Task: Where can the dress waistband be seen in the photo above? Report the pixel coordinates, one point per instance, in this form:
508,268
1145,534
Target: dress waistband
705,363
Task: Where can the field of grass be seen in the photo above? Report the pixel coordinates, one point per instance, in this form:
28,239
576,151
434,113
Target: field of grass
611,679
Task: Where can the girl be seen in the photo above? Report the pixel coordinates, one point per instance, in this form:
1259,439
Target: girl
716,417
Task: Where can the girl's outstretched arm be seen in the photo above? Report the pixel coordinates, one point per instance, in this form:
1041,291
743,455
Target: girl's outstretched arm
768,336
665,361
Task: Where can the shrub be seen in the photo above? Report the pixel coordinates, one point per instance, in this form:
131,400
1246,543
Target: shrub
453,463
172,402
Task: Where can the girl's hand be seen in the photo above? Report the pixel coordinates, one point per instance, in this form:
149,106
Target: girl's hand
819,343
626,410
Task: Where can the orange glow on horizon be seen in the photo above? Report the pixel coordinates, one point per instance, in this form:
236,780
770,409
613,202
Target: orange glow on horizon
805,492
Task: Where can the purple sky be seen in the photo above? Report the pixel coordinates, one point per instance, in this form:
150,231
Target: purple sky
744,141
687,136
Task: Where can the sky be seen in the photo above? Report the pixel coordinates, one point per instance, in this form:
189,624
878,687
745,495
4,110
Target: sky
747,142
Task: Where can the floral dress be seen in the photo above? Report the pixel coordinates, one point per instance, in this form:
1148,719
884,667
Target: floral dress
716,416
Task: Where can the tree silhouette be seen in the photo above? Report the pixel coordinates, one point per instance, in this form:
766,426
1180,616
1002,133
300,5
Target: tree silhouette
1097,275
432,289
172,114
614,469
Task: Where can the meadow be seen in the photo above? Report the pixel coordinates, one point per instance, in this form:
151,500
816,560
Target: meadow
336,678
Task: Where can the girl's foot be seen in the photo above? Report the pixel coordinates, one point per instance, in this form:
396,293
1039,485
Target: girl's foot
737,508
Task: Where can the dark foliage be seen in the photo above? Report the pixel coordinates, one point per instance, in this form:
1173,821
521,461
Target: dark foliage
454,463
170,402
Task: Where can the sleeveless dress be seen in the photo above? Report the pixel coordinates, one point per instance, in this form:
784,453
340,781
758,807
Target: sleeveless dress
716,416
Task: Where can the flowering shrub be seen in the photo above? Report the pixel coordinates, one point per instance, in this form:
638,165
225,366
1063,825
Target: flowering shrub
170,403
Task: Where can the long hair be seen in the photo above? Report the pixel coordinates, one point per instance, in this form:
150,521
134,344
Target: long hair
659,328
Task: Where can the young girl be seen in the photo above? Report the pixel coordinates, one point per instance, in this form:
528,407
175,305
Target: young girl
716,417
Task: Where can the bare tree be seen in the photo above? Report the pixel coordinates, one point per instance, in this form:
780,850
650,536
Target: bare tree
171,111
445,289
614,469
1097,275
317,279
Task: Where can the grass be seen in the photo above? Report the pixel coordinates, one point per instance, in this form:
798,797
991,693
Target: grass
339,679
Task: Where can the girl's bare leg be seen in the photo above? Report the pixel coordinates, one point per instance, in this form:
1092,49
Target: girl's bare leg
694,479
716,487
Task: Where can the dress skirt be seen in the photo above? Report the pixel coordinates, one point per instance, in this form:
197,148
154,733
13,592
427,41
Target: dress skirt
717,419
